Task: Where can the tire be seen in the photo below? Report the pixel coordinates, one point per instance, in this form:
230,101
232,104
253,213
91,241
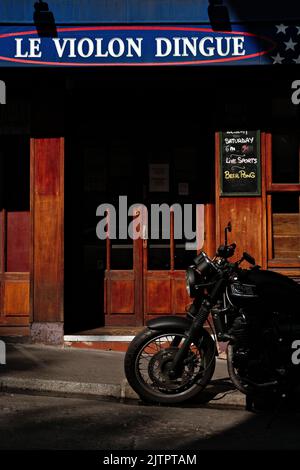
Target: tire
155,392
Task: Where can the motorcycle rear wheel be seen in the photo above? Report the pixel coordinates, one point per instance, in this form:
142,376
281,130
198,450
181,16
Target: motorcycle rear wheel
150,355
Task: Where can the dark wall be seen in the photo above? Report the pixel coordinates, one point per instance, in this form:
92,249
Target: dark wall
131,11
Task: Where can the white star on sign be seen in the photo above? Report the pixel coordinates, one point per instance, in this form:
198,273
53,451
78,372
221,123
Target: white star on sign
298,27
297,61
290,45
277,59
281,28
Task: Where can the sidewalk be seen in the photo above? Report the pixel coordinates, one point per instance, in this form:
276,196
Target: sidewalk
71,372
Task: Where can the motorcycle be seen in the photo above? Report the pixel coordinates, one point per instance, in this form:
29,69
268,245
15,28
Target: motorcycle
254,311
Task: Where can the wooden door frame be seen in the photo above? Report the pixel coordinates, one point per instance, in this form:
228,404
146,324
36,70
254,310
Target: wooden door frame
292,267
130,313
47,255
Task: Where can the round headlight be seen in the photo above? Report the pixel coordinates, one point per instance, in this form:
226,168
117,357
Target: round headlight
204,264
190,279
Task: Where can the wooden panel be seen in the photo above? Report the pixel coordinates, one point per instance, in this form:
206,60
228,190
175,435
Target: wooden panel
47,259
245,215
286,224
18,241
286,236
210,230
269,227
287,243
119,300
285,188
264,207
158,293
291,272
179,294
16,298
121,274
165,293
285,263
122,296
16,276
47,166
2,240
14,330
138,276
268,163
120,320
18,320
47,183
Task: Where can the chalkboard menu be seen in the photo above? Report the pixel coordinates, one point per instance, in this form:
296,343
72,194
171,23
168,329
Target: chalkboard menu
240,163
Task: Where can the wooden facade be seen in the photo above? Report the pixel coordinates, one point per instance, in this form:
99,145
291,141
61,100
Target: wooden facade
32,234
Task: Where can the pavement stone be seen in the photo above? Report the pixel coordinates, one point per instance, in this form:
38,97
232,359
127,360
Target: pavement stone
39,369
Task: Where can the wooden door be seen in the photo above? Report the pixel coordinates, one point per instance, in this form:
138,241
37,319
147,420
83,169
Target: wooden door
133,296
15,236
123,288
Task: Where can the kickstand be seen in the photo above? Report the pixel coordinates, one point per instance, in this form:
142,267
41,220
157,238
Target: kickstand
249,402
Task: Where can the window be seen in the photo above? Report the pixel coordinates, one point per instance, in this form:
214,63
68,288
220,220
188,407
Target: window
285,158
283,199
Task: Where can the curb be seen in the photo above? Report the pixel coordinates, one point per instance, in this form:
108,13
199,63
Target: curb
122,391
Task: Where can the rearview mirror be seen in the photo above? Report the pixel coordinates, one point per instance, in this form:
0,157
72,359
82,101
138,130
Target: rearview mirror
227,229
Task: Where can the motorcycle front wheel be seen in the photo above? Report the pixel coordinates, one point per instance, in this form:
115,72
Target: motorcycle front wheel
149,358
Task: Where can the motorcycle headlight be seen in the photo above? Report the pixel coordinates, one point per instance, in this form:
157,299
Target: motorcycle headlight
191,281
204,264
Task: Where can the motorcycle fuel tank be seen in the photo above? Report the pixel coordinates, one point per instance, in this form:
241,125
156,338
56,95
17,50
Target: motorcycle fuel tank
275,291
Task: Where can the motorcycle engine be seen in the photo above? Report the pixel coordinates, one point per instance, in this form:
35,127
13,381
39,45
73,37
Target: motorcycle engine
256,354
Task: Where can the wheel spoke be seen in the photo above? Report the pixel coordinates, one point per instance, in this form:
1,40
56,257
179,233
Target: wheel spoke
157,354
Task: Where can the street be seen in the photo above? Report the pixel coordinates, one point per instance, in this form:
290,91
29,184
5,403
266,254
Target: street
43,422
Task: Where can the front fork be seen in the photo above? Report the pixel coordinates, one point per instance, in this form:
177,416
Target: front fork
195,327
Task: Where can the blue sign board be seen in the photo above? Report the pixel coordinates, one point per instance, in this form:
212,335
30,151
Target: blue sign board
83,46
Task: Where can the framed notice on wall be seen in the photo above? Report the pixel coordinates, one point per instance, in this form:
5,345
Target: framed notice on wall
240,163
159,177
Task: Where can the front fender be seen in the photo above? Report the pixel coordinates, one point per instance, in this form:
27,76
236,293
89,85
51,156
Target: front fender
180,324
165,322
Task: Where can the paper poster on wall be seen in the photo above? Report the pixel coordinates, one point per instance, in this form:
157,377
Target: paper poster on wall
159,177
